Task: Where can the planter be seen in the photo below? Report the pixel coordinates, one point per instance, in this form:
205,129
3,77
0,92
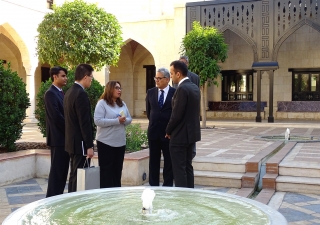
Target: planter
27,164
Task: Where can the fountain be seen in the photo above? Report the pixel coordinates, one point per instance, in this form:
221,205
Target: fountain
147,199
123,206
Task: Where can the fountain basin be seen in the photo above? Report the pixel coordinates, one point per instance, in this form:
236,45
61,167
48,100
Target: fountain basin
123,206
292,138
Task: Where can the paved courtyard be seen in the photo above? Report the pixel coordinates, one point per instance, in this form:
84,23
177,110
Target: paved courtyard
225,141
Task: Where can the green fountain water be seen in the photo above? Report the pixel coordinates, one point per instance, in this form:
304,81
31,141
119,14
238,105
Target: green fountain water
124,206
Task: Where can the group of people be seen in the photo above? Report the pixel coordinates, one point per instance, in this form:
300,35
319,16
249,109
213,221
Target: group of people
70,130
174,127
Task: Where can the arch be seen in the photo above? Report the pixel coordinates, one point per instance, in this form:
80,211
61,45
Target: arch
131,73
245,37
291,31
140,40
8,31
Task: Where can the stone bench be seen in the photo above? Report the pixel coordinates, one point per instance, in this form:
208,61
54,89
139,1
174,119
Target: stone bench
235,109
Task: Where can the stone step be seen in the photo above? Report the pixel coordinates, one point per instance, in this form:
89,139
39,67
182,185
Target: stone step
307,185
217,165
218,179
215,179
299,169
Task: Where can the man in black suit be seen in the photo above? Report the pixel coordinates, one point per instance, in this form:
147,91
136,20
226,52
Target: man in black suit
55,128
158,105
194,78
183,128
79,126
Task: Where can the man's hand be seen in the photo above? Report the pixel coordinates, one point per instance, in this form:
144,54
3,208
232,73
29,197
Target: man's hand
122,119
90,153
167,136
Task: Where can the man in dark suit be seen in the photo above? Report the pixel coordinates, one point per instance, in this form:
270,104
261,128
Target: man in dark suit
79,126
183,128
158,106
194,78
55,128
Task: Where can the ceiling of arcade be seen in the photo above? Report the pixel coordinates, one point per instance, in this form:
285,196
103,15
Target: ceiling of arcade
11,41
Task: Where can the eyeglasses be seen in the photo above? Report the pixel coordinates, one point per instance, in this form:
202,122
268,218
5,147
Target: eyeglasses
91,77
118,88
158,78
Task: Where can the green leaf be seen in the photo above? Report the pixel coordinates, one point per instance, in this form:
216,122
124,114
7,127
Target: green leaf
79,32
206,49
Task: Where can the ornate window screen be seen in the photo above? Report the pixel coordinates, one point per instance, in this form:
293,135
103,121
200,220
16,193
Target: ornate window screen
290,12
240,15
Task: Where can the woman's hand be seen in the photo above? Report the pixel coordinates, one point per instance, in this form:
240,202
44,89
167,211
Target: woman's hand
90,153
122,119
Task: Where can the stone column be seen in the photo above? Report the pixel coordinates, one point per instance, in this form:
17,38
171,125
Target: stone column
258,117
107,74
30,118
271,78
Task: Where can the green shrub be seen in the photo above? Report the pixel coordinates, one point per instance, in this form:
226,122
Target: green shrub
136,137
14,101
94,93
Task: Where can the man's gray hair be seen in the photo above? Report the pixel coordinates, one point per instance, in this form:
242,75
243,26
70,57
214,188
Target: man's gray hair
185,58
164,71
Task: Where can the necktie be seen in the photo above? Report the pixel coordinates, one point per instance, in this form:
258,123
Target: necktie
61,92
161,99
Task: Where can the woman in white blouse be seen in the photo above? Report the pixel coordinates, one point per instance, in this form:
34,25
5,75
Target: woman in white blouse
111,115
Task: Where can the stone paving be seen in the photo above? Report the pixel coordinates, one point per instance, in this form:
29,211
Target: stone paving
235,140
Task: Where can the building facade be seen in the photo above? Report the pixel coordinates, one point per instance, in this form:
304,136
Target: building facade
281,31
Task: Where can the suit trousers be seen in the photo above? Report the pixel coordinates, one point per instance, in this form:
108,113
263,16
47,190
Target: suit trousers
181,157
194,151
155,147
76,161
111,163
58,171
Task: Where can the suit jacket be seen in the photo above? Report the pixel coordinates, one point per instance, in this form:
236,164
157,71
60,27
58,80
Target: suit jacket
184,125
158,117
193,77
55,128
79,126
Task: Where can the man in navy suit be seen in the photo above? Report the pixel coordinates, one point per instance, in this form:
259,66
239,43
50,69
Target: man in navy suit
158,107
79,123
55,129
183,128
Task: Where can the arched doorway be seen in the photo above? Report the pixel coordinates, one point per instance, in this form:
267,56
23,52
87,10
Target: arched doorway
13,50
135,71
11,54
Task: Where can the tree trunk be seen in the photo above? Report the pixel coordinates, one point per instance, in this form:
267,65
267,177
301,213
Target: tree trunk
203,90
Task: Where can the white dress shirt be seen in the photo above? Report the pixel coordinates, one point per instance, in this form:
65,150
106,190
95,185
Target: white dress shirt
182,80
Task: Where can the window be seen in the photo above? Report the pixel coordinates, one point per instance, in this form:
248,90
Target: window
305,85
49,4
237,85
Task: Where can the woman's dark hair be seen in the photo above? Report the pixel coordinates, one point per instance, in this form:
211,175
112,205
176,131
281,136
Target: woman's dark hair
107,94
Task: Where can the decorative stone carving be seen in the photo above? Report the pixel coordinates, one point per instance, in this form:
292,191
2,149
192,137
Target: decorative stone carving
244,37
290,31
265,29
